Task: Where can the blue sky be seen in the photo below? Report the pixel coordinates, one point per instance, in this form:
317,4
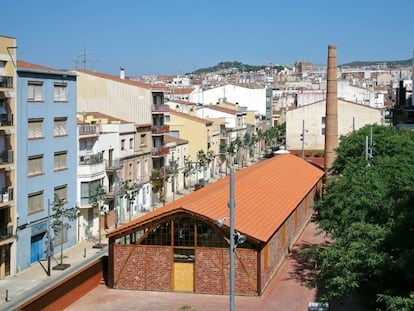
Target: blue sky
150,37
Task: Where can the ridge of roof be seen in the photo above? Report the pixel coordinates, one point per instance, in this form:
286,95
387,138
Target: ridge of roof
266,193
189,117
114,78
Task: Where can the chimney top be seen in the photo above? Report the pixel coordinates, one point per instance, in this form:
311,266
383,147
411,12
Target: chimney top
122,73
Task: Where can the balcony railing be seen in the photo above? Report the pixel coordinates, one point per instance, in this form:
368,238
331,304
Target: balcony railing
6,195
113,165
6,82
91,159
160,151
88,129
6,156
6,232
160,108
6,119
163,129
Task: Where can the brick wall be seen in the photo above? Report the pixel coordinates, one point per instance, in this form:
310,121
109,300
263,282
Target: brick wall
212,271
143,267
293,226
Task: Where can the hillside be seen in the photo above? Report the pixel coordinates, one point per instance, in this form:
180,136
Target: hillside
390,63
233,66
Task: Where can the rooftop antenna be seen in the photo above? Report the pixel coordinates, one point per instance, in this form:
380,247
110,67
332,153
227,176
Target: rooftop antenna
82,59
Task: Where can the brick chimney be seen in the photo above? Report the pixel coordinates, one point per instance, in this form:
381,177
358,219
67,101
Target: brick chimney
331,114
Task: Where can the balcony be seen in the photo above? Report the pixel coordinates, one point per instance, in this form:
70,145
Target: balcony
6,119
113,165
6,157
159,130
159,152
88,130
160,108
6,232
91,159
6,195
6,82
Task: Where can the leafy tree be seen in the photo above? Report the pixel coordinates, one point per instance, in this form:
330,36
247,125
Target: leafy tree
97,199
60,222
367,213
157,178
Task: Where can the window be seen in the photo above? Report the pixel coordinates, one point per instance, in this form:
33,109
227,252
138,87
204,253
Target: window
131,143
35,202
34,91
323,120
146,167
122,144
35,165
60,161
323,131
87,190
59,127
35,128
59,92
61,192
167,118
283,235
266,257
143,139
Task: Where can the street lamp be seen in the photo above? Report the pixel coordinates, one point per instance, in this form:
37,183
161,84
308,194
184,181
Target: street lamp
235,237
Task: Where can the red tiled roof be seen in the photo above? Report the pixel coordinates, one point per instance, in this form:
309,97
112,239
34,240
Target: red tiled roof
178,101
177,140
221,109
266,193
182,90
187,116
27,65
115,78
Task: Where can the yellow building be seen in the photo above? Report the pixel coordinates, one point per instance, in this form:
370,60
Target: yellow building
8,216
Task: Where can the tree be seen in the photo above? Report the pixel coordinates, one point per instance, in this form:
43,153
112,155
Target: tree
188,170
61,216
97,199
367,214
158,178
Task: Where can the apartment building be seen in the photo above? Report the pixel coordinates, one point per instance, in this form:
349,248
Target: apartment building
135,102
8,214
46,159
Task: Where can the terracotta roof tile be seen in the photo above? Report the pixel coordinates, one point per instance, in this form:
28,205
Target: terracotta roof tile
27,65
187,116
115,78
266,193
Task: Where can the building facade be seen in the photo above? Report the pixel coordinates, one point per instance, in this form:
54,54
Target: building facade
46,159
309,121
180,248
8,213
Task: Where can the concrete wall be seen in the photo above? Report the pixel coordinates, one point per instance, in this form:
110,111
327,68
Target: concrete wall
350,116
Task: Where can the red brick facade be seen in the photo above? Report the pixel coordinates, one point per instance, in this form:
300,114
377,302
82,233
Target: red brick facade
143,267
280,244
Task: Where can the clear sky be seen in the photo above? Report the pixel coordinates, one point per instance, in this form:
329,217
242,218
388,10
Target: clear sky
150,37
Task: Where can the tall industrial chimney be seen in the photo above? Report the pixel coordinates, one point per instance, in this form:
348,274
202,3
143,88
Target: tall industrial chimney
331,114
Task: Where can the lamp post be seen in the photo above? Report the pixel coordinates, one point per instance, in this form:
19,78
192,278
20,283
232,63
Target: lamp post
231,205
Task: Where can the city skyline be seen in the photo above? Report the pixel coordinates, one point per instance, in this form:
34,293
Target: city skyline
177,37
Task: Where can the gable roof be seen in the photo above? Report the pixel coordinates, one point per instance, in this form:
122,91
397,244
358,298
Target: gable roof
189,117
115,78
266,193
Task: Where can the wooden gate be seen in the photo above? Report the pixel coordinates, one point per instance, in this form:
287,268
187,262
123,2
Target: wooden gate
184,276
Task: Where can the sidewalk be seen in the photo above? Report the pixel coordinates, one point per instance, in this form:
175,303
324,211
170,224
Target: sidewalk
24,285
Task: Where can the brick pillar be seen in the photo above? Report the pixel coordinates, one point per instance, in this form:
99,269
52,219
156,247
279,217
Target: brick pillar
331,116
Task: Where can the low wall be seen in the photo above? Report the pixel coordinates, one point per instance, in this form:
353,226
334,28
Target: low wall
62,294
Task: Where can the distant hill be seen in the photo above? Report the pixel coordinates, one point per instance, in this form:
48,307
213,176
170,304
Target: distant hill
389,63
233,66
